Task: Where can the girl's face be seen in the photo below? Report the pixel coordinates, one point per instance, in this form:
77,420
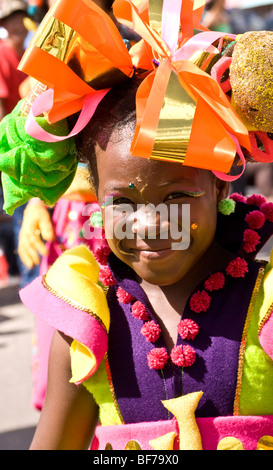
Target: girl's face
161,245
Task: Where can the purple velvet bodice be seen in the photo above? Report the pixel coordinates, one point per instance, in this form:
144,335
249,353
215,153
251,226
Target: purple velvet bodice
139,390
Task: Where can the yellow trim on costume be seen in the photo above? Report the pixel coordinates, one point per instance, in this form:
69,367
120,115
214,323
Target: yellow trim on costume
101,387
252,303
82,361
111,386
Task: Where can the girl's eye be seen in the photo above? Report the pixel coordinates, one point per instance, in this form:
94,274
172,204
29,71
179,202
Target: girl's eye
182,194
177,195
122,200
116,201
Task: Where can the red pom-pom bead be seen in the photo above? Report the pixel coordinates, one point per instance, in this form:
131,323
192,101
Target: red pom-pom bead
200,301
101,254
106,277
215,282
237,267
255,219
267,210
256,200
124,297
251,239
237,197
151,331
139,311
157,358
187,329
183,355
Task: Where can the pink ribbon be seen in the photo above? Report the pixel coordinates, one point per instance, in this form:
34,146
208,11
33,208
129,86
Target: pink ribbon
44,103
171,23
230,178
170,33
200,42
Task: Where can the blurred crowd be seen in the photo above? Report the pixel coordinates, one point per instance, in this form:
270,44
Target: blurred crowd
18,21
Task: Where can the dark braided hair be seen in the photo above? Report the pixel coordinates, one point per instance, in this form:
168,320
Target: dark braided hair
116,111
108,4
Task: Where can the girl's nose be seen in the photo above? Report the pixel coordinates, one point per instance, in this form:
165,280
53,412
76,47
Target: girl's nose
149,222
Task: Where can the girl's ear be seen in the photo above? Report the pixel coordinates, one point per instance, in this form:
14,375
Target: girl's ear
222,189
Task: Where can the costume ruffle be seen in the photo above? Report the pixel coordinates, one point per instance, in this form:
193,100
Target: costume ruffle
31,168
70,299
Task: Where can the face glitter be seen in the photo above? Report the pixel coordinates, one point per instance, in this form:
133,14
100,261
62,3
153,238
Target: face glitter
131,186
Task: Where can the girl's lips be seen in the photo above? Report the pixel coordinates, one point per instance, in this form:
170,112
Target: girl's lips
154,254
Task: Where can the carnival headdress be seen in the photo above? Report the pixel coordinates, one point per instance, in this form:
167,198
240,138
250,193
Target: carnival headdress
78,54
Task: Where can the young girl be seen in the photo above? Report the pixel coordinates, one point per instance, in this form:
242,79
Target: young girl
162,340
183,323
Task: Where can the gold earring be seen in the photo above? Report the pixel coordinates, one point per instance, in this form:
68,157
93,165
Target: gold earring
194,226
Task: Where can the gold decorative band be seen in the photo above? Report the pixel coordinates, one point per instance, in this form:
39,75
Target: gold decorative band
112,390
55,38
175,123
65,44
265,318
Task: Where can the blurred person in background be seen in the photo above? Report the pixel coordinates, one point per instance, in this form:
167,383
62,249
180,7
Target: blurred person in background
216,17
250,15
12,14
8,259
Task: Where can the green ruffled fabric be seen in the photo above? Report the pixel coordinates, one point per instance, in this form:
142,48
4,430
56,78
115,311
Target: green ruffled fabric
32,168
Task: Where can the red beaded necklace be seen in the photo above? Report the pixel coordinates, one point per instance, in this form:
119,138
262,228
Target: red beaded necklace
188,329
181,355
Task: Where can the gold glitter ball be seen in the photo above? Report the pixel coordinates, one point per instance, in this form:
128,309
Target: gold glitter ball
251,77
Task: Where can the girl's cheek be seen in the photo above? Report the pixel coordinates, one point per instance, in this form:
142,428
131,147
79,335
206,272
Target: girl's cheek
117,225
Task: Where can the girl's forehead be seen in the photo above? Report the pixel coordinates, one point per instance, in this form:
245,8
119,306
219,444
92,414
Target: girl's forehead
117,168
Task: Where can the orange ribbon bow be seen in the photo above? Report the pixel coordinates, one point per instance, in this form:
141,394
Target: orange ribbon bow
182,113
